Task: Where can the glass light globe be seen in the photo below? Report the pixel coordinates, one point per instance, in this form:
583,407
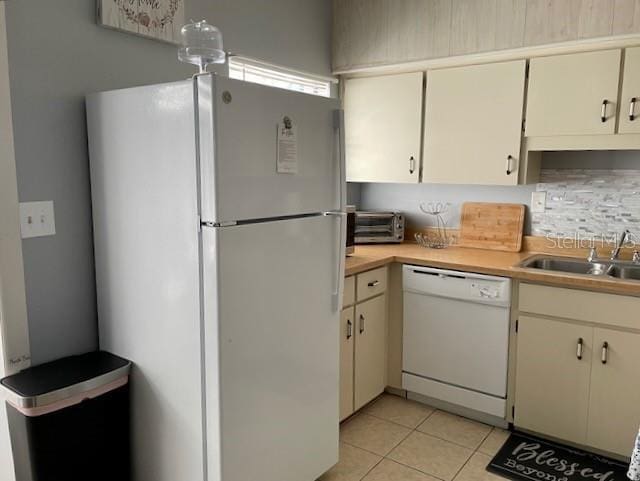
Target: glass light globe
201,45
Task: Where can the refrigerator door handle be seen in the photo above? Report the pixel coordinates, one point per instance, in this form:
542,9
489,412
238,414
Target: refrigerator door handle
338,124
342,241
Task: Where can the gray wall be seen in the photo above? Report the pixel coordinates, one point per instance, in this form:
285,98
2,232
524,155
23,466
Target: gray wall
354,193
407,197
56,55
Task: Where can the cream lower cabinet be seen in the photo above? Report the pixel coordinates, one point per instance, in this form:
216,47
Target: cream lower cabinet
577,367
346,362
370,350
473,124
552,377
363,338
614,403
383,121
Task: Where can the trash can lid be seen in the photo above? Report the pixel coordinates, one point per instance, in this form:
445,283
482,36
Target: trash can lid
75,377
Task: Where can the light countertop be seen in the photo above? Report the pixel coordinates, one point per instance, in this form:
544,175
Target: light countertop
482,261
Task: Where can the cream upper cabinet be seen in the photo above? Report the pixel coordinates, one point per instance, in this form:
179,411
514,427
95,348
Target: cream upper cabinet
383,118
346,362
614,405
370,357
552,378
573,94
473,124
629,116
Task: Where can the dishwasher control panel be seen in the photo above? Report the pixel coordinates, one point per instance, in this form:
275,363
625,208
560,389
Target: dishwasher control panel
484,290
456,284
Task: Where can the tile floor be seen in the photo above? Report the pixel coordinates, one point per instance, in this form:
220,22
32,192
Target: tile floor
394,439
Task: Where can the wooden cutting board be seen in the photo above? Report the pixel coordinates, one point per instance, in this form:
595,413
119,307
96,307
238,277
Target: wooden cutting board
485,225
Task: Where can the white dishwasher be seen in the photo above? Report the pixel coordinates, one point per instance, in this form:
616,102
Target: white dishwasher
456,338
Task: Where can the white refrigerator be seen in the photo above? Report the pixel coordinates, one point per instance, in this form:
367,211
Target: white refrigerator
219,244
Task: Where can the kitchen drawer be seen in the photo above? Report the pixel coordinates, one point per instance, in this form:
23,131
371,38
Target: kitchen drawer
371,283
349,295
587,306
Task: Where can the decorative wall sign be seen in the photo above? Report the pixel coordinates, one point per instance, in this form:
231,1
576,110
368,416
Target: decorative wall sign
159,19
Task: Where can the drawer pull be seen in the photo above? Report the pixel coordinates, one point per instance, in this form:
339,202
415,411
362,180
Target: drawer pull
632,108
605,352
580,347
412,164
361,323
373,283
349,329
603,111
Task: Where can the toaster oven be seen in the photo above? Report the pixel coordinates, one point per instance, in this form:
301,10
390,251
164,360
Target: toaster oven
378,227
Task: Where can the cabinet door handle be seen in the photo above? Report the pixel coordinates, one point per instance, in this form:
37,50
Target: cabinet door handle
580,347
605,352
509,166
373,283
632,108
603,110
349,329
361,323
412,164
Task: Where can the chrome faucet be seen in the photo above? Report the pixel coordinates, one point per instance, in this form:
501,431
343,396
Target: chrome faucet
615,253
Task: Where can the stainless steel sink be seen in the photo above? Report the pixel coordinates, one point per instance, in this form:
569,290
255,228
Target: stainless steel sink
566,264
593,265
625,272
616,269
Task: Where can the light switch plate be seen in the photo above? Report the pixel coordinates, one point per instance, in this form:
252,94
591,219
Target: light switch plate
538,202
37,219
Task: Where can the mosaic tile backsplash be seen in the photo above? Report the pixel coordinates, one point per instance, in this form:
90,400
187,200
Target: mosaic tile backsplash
588,203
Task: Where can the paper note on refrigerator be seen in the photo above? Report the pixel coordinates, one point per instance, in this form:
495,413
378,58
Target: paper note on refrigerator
287,162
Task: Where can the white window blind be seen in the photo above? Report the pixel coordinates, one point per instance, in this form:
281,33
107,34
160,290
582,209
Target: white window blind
254,71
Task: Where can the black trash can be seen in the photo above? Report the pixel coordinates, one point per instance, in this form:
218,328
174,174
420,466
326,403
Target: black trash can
69,419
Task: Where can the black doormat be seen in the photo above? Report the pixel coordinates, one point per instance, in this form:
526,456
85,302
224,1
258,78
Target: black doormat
529,458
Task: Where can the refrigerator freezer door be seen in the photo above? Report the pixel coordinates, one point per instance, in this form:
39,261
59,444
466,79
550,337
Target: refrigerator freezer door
271,349
238,144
